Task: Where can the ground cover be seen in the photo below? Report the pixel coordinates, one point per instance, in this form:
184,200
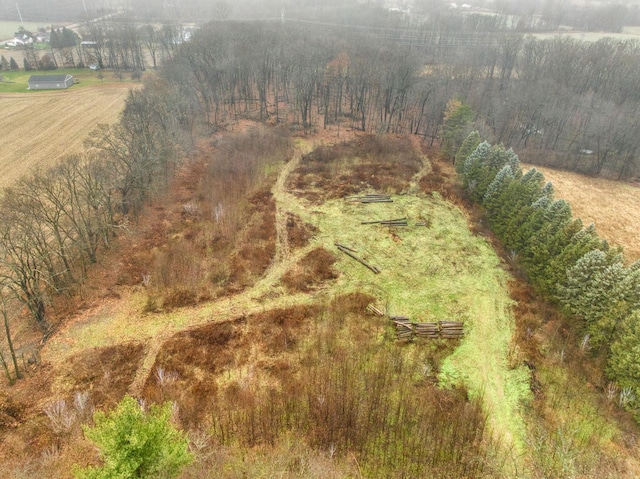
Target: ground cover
235,362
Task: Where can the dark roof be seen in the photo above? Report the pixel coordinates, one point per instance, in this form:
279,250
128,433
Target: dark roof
48,78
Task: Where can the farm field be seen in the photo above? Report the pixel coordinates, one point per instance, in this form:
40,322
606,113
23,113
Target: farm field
613,206
7,29
37,129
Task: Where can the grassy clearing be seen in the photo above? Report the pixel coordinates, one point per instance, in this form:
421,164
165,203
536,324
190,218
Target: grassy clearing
439,272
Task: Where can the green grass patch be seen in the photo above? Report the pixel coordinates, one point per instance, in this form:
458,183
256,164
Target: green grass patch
17,81
569,434
8,28
431,273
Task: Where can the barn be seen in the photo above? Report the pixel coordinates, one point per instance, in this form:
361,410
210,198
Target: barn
50,82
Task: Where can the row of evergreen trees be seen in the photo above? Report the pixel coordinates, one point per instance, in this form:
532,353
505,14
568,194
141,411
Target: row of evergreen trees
8,65
564,260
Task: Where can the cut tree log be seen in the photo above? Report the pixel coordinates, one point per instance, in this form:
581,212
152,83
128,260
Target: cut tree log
374,310
361,261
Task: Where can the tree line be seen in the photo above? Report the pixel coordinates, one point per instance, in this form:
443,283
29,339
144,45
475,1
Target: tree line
564,260
57,222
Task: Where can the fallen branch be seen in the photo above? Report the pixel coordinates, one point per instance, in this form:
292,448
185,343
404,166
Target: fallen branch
339,245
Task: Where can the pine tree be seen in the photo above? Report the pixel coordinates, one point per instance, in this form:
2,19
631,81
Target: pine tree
623,365
470,143
601,291
472,172
4,63
13,65
458,120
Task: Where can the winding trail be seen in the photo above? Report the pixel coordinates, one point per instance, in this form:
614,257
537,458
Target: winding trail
118,321
426,280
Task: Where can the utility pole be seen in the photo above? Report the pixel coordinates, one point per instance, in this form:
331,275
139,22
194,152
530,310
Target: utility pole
19,14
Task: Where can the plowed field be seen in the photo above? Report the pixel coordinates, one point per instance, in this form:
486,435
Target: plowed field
37,129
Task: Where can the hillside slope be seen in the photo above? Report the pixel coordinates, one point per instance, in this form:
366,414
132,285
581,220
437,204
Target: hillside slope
292,367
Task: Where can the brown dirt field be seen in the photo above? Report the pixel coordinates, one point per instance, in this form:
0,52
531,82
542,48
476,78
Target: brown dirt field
38,129
613,206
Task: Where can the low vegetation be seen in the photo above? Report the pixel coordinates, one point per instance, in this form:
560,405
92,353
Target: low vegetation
206,270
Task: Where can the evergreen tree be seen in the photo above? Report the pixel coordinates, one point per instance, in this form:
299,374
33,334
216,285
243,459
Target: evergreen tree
545,235
601,291
136,443
458,120
623,365
54,39
469,144
494,196
474,166
4,63
26,64
13,65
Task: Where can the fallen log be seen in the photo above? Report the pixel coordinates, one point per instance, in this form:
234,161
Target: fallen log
376,200
399,318
383,221
373,309
339,245
361,261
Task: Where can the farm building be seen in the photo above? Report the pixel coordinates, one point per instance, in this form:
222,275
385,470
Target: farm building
50,82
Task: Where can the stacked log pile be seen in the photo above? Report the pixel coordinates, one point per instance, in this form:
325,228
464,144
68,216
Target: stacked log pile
407,330
451,329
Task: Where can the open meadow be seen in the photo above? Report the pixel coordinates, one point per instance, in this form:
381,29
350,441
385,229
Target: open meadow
38,128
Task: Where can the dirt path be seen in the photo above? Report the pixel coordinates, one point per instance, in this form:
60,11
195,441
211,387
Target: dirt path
119,322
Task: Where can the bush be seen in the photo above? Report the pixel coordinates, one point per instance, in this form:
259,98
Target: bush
136,443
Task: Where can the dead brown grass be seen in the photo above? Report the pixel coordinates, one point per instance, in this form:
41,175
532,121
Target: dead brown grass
312,270
298,232
383,163
613,206
106,372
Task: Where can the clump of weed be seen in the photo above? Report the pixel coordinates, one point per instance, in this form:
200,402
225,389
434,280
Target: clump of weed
315,268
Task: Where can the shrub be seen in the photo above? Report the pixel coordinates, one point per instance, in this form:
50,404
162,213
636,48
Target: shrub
136,443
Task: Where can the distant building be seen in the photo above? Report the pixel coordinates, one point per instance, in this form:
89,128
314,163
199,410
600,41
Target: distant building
50,82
